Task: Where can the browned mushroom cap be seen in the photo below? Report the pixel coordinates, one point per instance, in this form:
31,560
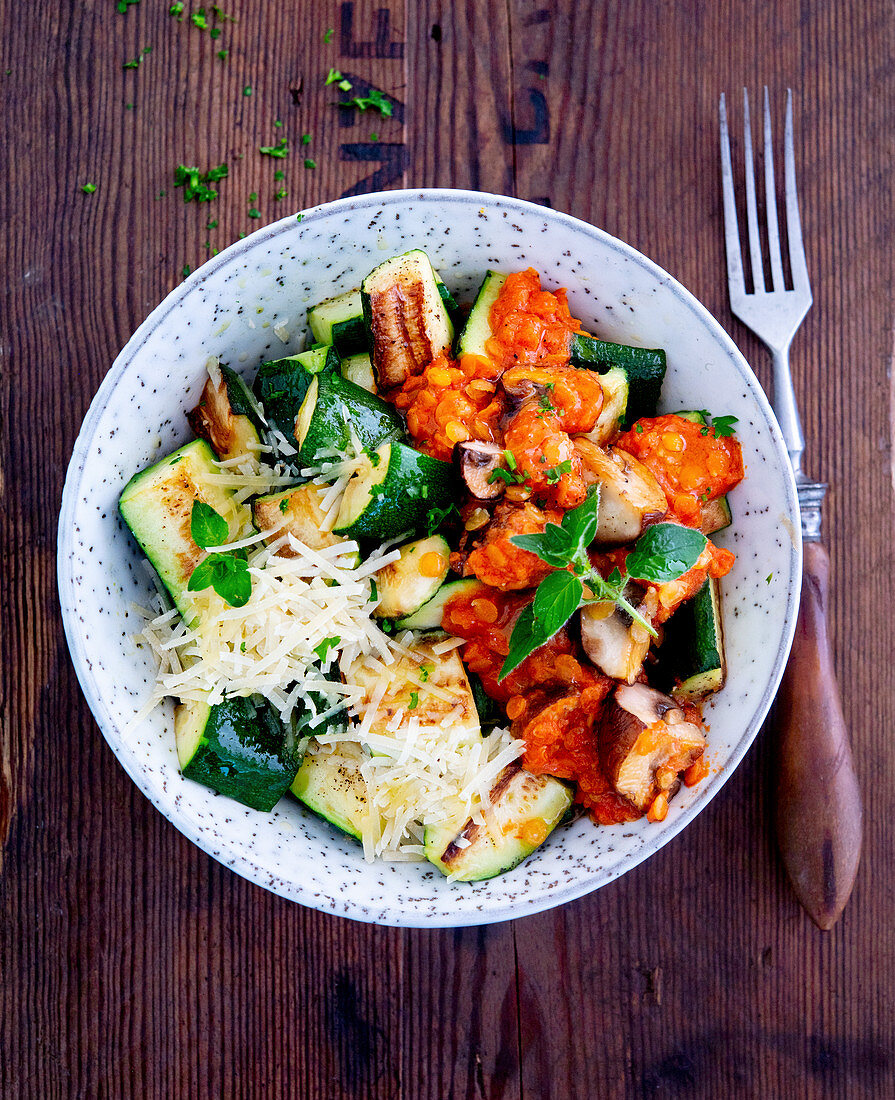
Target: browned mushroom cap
630,497
614,642
645,742
476,463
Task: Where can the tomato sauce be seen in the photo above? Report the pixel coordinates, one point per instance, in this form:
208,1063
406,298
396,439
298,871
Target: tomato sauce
451,402
691,463
553,698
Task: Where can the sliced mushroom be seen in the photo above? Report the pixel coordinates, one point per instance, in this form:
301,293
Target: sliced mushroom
645,743
476,463
615,643
630,497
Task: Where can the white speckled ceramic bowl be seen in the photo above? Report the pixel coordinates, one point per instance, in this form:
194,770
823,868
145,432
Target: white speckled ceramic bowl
249,304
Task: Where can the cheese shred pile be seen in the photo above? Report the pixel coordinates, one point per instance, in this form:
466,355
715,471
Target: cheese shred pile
306,639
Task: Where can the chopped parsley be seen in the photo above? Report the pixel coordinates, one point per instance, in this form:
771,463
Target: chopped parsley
176,10
424,673
310,163
414,700
284,505
376,101
556,472
280,150
328,35
186,270
769,578
247,90
138,60
254,213
89,188
281,194
306,139
123,5
222,54
195,184
374,136
326,645
333,77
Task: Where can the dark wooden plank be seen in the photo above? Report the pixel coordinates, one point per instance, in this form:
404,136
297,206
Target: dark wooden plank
717,983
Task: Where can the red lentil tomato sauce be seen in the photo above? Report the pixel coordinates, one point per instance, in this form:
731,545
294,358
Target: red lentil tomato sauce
554,698
455,400
689,461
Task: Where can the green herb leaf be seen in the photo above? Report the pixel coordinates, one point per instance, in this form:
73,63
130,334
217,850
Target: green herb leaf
333,77
424,673
557,599
665,552
376,100
724,425
556,472
326,645
414,700
227,574
284,505
555,546
207,527
528,635
89,188
280,150
310,163
328,35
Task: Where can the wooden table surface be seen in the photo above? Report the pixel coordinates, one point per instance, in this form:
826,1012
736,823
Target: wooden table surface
132,964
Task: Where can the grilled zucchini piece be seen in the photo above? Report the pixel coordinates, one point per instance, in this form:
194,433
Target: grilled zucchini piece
524,810
477,329
298,512
333,408
691,656
644,367
239,748
330,783
359,370
393,493
615,405
429,616
407,322
157,505
340,321
407,584
228,416
282,384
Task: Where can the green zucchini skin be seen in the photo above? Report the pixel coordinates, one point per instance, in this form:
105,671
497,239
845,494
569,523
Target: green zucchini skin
323,419
330,785
282,384
240,397
478,324
157,504
429,616
340,321
403,590
645,368
396,495
359,370
491,713
237,748
450,304
691,657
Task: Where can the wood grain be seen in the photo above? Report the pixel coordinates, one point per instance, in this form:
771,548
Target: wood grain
131,964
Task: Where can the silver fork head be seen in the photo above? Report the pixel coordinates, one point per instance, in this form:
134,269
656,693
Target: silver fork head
773,314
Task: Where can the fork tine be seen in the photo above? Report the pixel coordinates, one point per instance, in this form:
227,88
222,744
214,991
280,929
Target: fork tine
735,278
770,196
751,205
793,223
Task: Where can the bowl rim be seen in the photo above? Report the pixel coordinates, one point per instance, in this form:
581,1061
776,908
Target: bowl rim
67,585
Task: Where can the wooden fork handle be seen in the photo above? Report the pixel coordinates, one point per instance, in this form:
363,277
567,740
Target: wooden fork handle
818,809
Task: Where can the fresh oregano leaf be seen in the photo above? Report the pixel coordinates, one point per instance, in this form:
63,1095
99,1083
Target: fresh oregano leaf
665,552
724,425
528,635
227,574
207,527
553,546
581,523
557,599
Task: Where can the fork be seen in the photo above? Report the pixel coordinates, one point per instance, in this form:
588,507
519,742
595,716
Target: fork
818,803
